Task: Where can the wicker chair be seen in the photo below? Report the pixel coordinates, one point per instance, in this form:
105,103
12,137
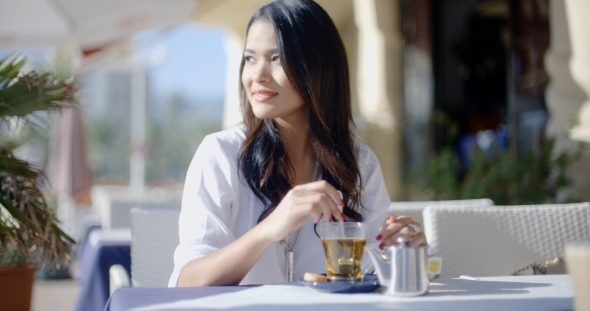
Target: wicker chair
498,240
414,209
154,237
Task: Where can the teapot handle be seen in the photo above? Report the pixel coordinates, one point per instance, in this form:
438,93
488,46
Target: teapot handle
370,269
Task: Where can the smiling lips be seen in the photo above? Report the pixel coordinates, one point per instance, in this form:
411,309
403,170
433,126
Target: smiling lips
262,96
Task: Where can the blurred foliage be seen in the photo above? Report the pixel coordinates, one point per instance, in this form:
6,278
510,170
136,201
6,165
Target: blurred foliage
29,229
174,130
173,137
528,179
109,147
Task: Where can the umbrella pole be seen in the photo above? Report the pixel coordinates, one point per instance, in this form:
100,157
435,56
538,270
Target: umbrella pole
137,160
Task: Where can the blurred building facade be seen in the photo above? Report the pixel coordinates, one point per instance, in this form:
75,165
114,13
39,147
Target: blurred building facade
429,73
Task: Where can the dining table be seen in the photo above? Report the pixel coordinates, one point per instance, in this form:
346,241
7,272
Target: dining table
98,252
525,292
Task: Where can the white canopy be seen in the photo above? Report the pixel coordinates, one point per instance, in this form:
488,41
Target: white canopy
91,23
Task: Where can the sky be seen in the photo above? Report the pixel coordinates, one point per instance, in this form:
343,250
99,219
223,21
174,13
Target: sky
188,59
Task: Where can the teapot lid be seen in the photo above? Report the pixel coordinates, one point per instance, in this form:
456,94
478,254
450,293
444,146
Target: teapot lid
403,241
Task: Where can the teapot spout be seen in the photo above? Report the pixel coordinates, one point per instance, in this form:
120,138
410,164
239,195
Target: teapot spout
382,265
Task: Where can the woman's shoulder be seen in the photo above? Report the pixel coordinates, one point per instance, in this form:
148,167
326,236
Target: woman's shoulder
220,147
360,147
362,152
233,136
227,141
217,154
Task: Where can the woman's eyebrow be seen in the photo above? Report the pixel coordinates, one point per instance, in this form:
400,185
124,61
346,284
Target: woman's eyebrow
269,51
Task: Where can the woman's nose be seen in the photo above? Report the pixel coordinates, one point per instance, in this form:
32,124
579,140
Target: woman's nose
261,74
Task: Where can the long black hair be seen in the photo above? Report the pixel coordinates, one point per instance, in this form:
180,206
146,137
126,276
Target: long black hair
313,57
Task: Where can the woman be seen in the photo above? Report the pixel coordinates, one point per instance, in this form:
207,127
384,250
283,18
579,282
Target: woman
256,191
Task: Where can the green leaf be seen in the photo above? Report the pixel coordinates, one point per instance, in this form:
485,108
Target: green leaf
14,69
7,63
531,178
28,225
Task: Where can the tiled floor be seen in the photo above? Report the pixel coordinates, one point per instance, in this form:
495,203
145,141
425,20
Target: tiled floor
54,295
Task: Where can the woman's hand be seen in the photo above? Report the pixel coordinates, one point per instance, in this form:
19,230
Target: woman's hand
393,227
318,200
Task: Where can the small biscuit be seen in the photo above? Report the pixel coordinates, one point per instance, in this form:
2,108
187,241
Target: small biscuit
314,277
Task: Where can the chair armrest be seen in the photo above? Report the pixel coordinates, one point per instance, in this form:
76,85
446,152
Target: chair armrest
118,278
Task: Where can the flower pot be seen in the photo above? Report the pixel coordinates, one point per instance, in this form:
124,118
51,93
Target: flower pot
16,286
61,273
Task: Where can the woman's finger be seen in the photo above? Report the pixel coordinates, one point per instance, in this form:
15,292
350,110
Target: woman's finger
323,186
318,205
314,213
390,228
328,208
392,239
416,228
419,239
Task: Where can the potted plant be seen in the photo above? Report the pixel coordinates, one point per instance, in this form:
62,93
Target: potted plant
30,236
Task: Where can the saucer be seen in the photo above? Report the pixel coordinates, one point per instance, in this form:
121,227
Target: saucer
368,284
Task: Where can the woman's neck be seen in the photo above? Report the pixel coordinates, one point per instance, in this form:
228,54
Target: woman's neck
299,149
296,138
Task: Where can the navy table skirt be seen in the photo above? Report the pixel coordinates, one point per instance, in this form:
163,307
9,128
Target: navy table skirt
95,260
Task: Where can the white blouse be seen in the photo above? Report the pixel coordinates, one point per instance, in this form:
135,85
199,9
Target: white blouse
218,207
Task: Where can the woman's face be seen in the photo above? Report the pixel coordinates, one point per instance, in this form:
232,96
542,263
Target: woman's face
269,91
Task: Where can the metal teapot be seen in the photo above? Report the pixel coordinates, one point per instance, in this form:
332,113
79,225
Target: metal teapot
402,268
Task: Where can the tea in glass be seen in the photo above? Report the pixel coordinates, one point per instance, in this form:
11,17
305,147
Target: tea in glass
344,247
344,257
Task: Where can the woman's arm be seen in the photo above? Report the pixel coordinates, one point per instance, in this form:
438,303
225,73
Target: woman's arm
229,265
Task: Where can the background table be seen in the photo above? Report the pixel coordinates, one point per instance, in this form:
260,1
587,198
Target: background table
540,292
102,250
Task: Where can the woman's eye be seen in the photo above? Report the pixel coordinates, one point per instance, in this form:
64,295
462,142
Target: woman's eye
276,58
248,59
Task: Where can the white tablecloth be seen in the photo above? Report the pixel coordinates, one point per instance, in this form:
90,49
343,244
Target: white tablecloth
543,292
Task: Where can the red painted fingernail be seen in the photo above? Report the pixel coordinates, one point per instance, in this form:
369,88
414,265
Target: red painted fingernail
343,216
379,236
341,202
381,246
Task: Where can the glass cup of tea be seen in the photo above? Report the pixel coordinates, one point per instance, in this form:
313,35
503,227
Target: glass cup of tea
344,247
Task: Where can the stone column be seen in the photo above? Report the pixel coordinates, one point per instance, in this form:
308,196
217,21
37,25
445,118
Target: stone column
232,115
578,22
379,84
567,97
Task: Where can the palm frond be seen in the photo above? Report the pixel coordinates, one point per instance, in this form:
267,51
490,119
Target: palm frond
10,67
35,92
28,225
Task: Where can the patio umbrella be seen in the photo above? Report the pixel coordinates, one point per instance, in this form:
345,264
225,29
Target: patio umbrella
68,166
90,23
